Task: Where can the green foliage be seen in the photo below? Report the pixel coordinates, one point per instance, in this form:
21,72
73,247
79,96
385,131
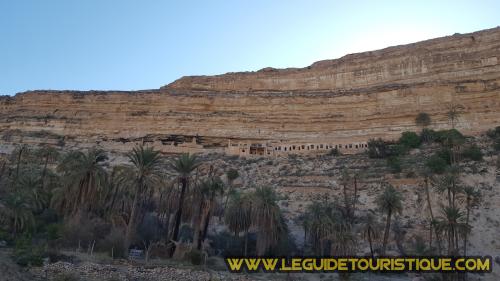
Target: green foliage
450,137
390,200
473,153
377,148
398,150
232,174
445,154
423,119
410,139
27,254
334,152
494,133
394,164
436,164
54,231
428,136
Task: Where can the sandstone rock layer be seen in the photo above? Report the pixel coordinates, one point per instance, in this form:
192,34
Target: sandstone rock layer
357,97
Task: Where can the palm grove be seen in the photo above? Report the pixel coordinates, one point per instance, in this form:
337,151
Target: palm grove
50,200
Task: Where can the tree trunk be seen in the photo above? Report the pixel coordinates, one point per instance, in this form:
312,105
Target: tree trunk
2,170
246,242
19,161
467,224
131,223
197,225
44,171
427,194
178,215
355,195
386,232
205,229
370,241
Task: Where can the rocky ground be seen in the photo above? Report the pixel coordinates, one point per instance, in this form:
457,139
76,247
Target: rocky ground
302,180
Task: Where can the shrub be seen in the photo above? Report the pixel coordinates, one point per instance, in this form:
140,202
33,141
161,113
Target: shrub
377,148
494,133
113,243
450,137
394,164
195,257
445,154
423,119
496,145
334,152
410,139
436,164
473,153
428,136
25,253
398,149
232,174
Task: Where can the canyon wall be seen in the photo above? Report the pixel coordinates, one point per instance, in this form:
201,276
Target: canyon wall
354,98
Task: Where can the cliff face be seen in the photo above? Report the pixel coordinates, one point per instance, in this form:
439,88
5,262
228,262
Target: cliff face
356,97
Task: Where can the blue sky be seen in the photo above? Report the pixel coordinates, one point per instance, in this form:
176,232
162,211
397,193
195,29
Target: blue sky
131,45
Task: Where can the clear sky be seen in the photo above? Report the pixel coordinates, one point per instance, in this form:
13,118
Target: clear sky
130,45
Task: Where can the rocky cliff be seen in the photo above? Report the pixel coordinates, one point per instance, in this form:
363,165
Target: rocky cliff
356,97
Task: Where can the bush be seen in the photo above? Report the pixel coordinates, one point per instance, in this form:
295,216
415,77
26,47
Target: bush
473,153
450,137
113,243
410,139
394,164
25,253
377,148
195,257
436,164
334,152
398,149
428,136
445,154
494,133
423,119
496,145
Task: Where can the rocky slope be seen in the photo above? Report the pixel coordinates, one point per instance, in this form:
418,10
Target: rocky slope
356,97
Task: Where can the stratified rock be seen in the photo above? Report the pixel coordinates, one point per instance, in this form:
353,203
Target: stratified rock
355,98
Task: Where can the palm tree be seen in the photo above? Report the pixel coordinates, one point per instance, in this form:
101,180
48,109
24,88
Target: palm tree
453,113
452,225
83,176
16,212
231,175
210,190
317,221
49,154
184,165
389,202
370,227
145,174
20,151
238,216
449,183
472,198
267,218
